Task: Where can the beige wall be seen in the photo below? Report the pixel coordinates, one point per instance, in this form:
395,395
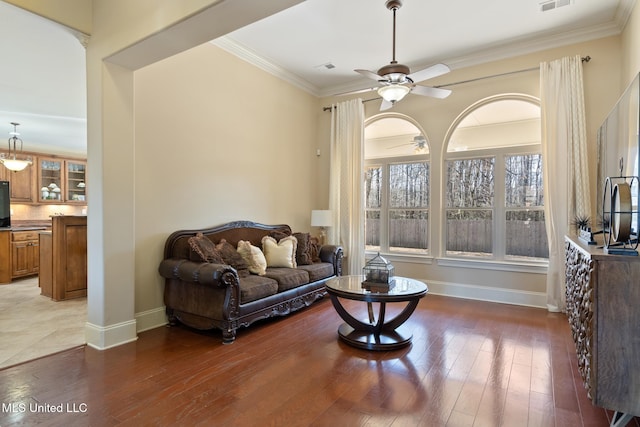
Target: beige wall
140,195
75,14
125,36
255,114
209,152
122,300
602,88
631,47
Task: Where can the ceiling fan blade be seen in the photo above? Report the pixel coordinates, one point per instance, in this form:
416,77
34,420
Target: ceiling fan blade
434,92
429,73
401,145
371,75
385,105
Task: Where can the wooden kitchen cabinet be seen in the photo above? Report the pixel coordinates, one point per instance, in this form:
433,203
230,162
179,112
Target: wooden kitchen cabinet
45,276
50,179
75,181
5,256
603,297
22,184
25,253
63,258
61,180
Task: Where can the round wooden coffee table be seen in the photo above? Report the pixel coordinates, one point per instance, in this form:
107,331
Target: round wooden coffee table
380,334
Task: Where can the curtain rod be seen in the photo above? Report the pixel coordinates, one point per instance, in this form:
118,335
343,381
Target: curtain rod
584,59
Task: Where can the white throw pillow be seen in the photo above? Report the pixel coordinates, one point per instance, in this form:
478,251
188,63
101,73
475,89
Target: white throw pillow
282,253
253,256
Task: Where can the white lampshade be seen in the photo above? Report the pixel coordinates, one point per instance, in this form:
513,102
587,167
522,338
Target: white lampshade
394,92
321,218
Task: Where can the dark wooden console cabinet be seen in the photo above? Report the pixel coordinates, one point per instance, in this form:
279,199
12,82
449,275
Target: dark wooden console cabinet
603,307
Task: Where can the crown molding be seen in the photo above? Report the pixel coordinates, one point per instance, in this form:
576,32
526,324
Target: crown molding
519,47
534,44
624,12
264,64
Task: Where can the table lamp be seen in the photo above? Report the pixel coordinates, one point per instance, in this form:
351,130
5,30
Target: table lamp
322,219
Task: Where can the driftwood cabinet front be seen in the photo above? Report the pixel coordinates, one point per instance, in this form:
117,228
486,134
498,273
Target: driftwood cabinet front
603,307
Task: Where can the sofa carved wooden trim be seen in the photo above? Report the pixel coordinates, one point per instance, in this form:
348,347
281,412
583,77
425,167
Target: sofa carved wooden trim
205,295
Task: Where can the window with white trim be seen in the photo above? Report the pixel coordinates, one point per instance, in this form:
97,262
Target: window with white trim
396,188
494,204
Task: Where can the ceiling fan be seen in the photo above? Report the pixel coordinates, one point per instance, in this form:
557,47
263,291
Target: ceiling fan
397,81
418,141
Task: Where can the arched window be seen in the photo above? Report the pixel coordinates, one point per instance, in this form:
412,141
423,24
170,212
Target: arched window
396,186
493,195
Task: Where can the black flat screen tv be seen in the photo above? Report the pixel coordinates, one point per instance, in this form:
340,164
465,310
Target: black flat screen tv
5,206
619,149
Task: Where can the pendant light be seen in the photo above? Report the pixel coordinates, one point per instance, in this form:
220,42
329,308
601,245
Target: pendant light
11,161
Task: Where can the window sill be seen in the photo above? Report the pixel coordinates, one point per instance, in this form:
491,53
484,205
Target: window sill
482,264
519,267
398,257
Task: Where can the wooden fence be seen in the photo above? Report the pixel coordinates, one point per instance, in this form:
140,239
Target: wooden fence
525,238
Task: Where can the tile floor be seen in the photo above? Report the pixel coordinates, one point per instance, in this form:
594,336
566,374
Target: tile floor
32,325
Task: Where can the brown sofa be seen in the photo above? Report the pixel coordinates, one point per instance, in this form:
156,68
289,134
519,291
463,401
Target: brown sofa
206,295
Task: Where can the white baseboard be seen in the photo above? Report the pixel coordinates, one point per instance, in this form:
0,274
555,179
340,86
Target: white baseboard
104,337
151,319
485,293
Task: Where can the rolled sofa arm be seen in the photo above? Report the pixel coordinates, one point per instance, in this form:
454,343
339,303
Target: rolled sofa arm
204,273
332,254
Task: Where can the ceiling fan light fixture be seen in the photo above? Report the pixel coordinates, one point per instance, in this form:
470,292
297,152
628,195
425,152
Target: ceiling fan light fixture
11,160
393,93
420,149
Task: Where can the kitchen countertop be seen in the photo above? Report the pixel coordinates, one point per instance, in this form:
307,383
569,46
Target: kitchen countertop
28,228
29,225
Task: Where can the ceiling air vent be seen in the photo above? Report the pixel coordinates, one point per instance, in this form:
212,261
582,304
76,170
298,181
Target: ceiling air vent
328,66
553,4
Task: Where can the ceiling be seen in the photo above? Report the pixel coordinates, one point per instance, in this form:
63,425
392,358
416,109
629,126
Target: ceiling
299,42
43,83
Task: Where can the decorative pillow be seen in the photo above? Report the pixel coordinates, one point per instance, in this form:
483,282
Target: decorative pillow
314,249
231,257
253,256
203,249
279,234
280,254
303,251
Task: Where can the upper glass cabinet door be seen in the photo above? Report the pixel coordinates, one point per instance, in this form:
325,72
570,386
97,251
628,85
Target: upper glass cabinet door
62,180
50,179
76,181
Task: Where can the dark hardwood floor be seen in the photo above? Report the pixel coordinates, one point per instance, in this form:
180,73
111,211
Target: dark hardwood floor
470,364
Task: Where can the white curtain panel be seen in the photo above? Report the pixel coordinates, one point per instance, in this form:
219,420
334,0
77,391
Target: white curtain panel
346,196
566,173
